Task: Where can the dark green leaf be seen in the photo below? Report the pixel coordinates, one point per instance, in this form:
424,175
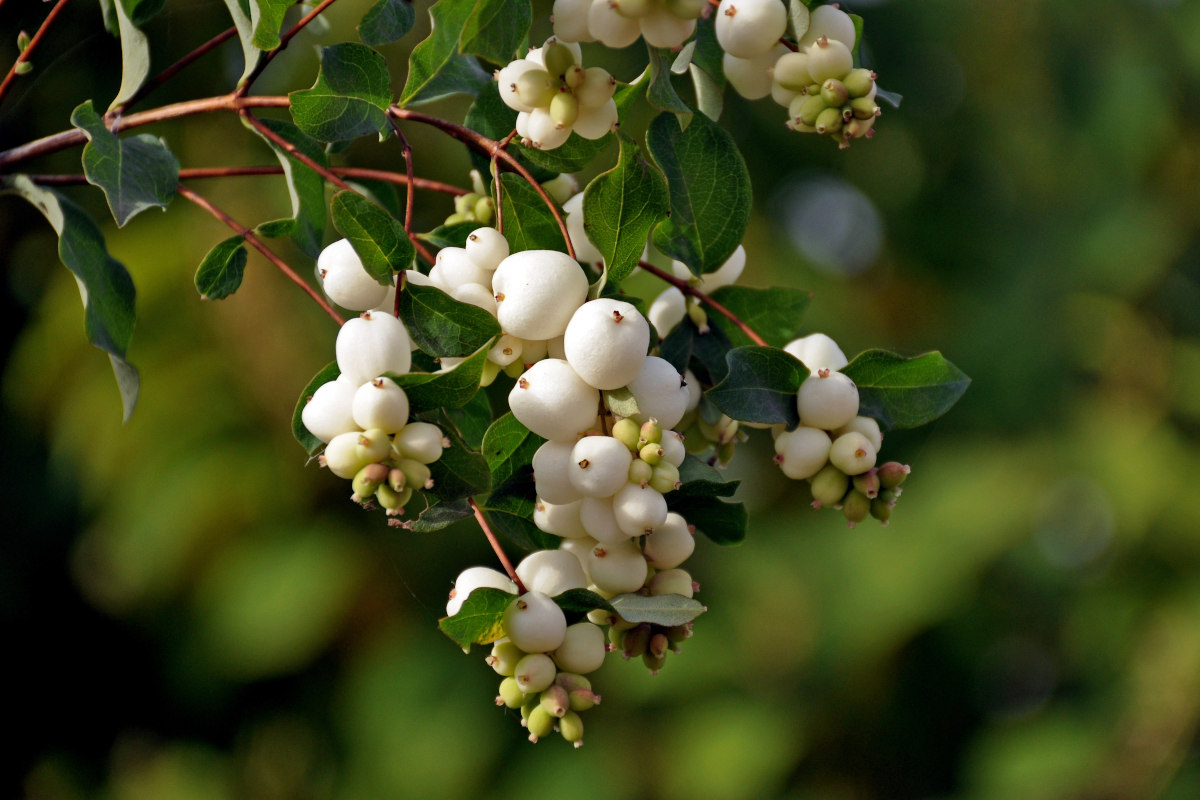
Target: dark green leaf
136,173
721,522
435,66
268,20
310,443
239,10
709,55
621,206
387,21
710,93
905,392
273,229
710,191
661,92
376,236
382,192
220,273
581,601
305,187
135,56
429,391
496,28
104,283
701,480
508,445
572,156
665,609
349,98
858,30
450,235
528,222
441,515
443,326
479,620
509,509
141,11
761,386
460,472
774,314
472,420
677,347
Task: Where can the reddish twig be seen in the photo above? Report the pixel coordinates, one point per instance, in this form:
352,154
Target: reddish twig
408,169
283,43
171,71
688,289
491,537
257,244
33,42
496,182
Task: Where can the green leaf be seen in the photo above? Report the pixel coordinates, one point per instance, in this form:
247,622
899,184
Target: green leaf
581,601
135,56
275,228
472,420
774,314
349,98
661,93
508,445
496,28
905,392
710,191
267,16
136,173
479,620
387,21
220,273
104,284
858,31
443,326
704,352
709,55
239,10
509,509
528,222
376,236
761,386
450,235
306,188
722,522
429,391
622,402
310,443
572,156
460,472
621,206
710,94
381,192
435,66
141,11
441,515
799,14
491,117
701,480
664,609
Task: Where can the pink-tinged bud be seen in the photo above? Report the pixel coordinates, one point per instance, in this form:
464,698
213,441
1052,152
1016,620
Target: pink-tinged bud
892,474
658,646
856,507
556,701
571,728
583,699
636,640
868,483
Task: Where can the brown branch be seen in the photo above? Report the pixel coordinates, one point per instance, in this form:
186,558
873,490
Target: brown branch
491,537
688,289
408,169
258,245
171,71
33,42
64,139
491,148
283,43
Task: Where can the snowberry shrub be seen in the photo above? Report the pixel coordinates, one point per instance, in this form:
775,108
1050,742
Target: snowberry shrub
601,444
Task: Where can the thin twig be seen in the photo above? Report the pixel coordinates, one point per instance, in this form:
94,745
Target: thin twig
171,71
491,537
244,87
33,42
688,289
201,173
495,170
408,169
257,244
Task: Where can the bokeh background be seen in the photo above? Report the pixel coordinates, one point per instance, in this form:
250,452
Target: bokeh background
192,612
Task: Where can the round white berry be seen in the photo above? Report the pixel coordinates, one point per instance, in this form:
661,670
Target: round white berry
571,20
670,544
639,509
606,342
661,392
534,673
474,578
420,441
829,58
535,623
673,450
477,295
455,267
560,519
612,29
830,22
582,650
585,251
852,453
554,402
487,247
817,351
667,311
801,453
827,400
544,132
507,78
551,572
329,411
751,77
599,466
344,279
506,350
537,291
617,568
595,121
867,426
748,28
724,275
342,455
551,472
381,404
661,28
671,581
596,515
372,344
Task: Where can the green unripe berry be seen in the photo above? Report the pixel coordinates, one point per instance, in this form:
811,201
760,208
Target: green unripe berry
653,663
881,510
582,699
686,9
864,108
510,694
555,700
484,210
464,203
679,633
640,472
868,483
829,486
889,496
829,120
725,452
504,658
659,646
373,445
636,640
650,433
806,108
564,109
859,82
574,78
536,88
892,474
540,723
665,478
527,708
626,431
558,58
391,500
416,474
856,507
572,681
791,72
534,672
571,728
834,92
651,453
368,479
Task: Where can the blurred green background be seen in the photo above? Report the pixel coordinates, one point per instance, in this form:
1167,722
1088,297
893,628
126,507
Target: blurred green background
192,612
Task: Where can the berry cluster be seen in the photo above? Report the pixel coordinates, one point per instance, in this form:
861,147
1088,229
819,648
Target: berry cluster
619,23
554,95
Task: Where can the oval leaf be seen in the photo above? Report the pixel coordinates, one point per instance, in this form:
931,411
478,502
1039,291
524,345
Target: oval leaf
496,28
528,223
761,386
479,619
436,68
220,273
387,21
306,188
440,515
349,98
460,472
429,391
722,522
905,392
508,445
240,12
376,236
443,326
664,609
774,314
621,206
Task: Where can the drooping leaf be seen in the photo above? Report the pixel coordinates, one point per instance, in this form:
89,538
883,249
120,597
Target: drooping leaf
710,191
508,445
774,314
904,392
436,68
721,521
387,21
239,10
135,173
275,228
798,14
761,386
621,206
479,620
429,391
495,29
443,326
460,472
581,601
141,11
709,55
663,609
104,284
710,94
441,515
376,236
701,480
572,156
220,273
528,222
267,16
306,188
661,93
135,56
307,440
509,509
350,96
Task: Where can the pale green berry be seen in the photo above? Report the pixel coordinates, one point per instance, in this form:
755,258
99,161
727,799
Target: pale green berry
627,432
555,700
504,657
510,694
856,507
852,453
571,728
421,441
551,572
860,82
564,109
536,88
617,567
540,723
582,650
392,501
829,121
827,400
557,59
638,509
670,544
829,486
534,672
829,58
791,71
671,581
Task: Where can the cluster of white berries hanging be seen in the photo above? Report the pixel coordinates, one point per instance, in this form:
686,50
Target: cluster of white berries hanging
619,23
554,95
